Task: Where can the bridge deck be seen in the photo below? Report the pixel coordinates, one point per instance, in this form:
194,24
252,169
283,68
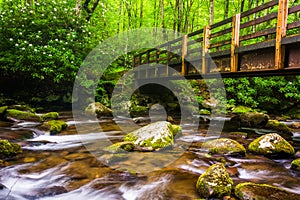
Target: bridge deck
253,43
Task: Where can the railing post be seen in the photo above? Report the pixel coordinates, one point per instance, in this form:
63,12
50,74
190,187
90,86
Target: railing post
168,58
184,54
205,47
280,33
235,42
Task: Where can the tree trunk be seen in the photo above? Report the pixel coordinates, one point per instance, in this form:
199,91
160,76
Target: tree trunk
78,7
226,9
211,12
162,11
141,13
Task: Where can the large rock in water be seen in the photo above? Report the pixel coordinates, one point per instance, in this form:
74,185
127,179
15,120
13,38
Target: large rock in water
215,182
156,135
251,119
18,115
296,164
246,191
224,146
54,126
8,149
271,143
98,109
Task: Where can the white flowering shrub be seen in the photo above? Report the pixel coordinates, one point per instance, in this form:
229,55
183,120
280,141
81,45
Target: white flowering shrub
46,40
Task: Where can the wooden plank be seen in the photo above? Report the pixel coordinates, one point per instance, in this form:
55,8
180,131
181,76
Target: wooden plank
294,9
184,54
226,21
219,33
258,34
219,44
256,46
224,53
235,42
280,33
205,47
291,39
259,20
293,25
259,8
195,33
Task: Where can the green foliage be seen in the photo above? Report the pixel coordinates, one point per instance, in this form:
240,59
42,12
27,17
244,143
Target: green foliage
265,93
45,40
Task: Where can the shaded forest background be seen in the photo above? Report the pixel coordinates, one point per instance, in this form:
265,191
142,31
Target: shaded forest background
43,44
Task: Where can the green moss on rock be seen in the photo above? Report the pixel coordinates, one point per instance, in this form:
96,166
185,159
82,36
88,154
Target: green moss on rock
224,146
241,109
98,109
120,147
50,116
3,110
54,126
278,126
204,112
8,149
215,182
296,164
248,190
156,135
271,143
22,115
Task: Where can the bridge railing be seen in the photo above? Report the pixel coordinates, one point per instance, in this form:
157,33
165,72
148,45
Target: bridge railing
260,39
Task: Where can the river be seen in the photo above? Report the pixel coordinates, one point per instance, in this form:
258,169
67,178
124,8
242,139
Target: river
65,166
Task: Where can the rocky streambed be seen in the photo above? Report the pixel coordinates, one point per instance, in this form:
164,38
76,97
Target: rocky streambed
254,158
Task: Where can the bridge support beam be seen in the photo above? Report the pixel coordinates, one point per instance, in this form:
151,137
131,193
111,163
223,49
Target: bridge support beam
280,33
184,54
205,47
235,42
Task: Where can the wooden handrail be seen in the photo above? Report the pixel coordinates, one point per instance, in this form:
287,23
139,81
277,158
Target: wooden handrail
220,40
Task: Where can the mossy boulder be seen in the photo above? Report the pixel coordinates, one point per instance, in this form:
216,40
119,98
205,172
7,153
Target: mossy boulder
278,126
22,107
224,146
8,149
296,164
156,135
246,191
3,110
271,144
120,147
54,126
50,116
138,110
204,112
241,109
251,119
98,109
19,115
215,182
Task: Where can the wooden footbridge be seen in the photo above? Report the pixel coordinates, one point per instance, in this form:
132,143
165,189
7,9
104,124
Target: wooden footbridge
262,41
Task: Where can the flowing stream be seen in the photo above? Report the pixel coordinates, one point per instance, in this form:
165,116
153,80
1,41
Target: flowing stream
65,166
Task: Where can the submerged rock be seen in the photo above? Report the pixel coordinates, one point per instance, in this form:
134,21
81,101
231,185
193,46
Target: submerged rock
98,109
18,115
241,109
271,143
296,164
54,126
3,110
246,191
8,149
224,146
251,119
215,182
50,116
120,147
156,135
278,126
